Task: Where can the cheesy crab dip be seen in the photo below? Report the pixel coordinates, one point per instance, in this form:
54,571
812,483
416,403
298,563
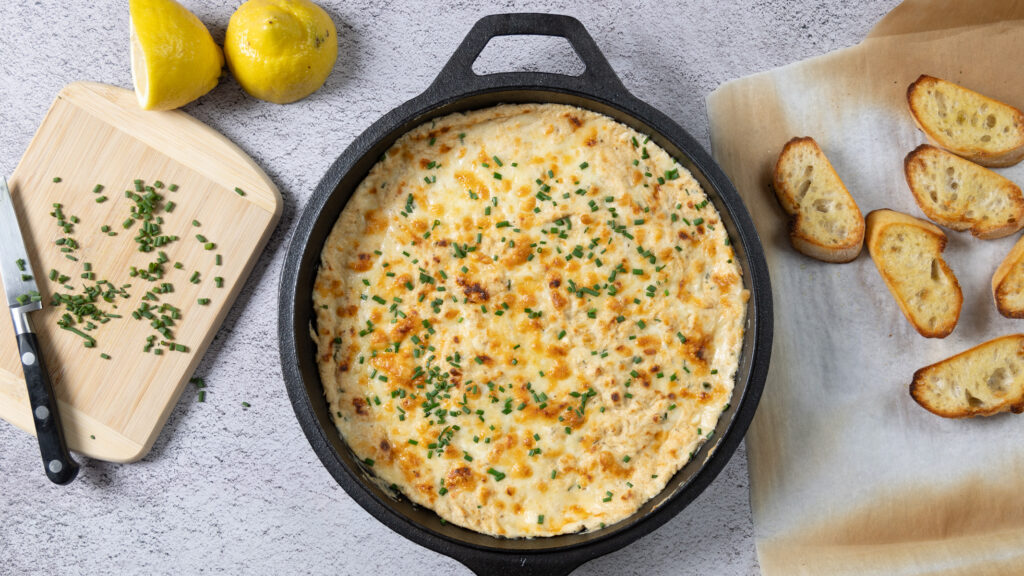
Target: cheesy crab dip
528,319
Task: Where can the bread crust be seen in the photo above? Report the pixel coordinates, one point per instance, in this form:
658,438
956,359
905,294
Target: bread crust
1008,157
807,243
913,168
920,395
877,222
1000,284
811,247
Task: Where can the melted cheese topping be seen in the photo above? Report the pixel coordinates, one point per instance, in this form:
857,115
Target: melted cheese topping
528,319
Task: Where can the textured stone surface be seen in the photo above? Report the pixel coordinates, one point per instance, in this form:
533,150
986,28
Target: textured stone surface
240,491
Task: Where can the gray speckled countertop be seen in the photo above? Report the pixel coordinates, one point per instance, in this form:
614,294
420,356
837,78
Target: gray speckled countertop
227,490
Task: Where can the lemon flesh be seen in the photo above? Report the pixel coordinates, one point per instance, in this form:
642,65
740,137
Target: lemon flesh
280,50
174,58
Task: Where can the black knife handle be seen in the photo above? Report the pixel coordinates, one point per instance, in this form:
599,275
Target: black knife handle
57,461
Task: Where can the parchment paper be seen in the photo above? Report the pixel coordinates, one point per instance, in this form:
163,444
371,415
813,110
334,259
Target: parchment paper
848,474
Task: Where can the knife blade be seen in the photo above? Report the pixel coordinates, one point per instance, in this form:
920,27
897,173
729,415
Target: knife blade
22,298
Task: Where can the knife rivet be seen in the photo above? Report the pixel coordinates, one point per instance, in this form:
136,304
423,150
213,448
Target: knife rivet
28,358
42,412
55,466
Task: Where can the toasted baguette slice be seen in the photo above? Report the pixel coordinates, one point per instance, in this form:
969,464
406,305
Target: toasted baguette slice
1008,283
966,123
962,195
908,254
825,222
982,381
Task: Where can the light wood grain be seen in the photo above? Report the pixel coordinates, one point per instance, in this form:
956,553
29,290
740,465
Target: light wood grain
96,134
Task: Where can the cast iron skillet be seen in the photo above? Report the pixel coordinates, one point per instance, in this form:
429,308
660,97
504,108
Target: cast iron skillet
458,88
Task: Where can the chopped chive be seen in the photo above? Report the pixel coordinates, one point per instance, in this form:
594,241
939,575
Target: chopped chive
203,301
56,179
218,260
239,191
101,199
97,189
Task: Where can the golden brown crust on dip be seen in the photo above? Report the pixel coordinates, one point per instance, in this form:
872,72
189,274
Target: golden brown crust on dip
528,318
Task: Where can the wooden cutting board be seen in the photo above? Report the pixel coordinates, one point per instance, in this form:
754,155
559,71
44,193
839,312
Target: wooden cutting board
112,409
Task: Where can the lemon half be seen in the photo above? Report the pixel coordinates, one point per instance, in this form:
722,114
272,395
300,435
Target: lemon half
280,50
174,58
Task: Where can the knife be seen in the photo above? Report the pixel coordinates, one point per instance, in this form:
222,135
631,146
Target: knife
22,298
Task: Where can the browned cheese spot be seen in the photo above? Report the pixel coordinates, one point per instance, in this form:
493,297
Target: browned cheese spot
360,405
362,263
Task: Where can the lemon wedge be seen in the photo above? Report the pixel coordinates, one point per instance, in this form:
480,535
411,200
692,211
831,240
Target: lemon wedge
174,58
280,50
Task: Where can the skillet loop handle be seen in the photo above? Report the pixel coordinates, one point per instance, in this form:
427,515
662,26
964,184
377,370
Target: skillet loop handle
458,77
553,564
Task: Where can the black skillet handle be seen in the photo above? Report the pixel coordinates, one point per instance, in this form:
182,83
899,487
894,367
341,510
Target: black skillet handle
457,77
60,467
550,564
